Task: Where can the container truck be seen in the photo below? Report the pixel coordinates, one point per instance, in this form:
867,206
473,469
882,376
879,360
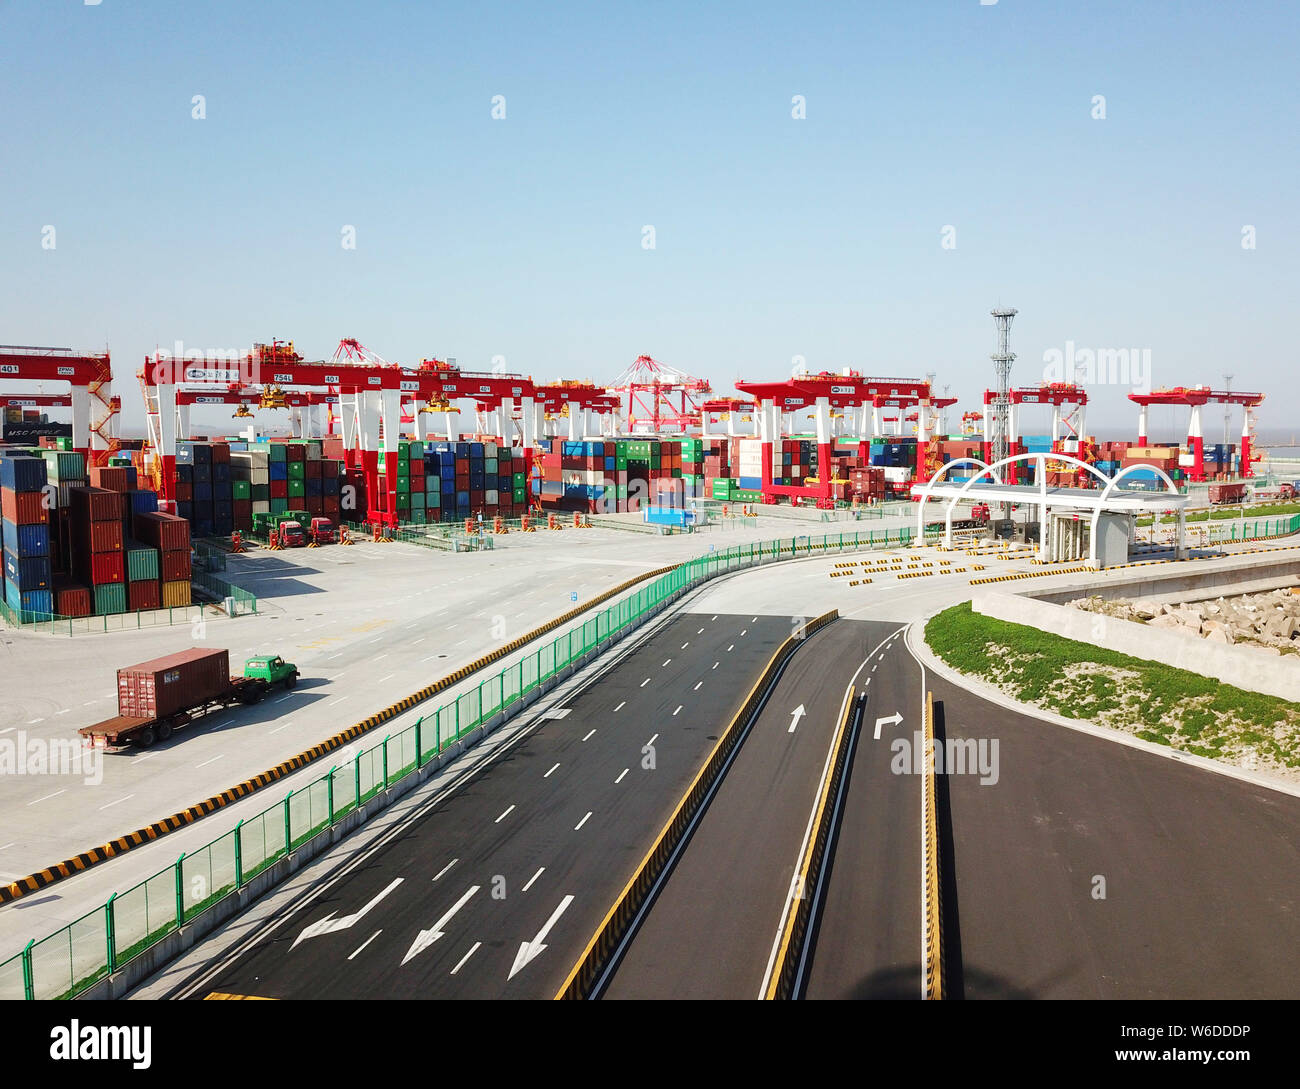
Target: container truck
166,694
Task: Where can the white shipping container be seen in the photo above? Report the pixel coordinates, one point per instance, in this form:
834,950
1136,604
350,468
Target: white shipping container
1186,461
897,474
490,497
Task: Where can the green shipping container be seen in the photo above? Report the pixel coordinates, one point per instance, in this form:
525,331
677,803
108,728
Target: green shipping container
518,480
110,597
417,518
276,451
403,484
404,501
490,467
297,489
141,562
297,470
279,506
520,496
241,489
64,465
432,485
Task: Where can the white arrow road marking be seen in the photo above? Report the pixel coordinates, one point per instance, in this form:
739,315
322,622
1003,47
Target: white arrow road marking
529,950
796,714
893,720
329,924
427,937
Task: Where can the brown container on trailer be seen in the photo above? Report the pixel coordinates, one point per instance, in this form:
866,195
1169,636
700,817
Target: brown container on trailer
163,686
166,532
94,504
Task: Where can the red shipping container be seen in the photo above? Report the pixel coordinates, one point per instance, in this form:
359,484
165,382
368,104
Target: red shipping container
99,537
175,565
296,451
22,508
221,453
163,686
314,504
72,600
279,489
476,499
462,482
144,594
166,532
111,478
106,567
184,491
417,482
313,468
330,504
94,504
243,512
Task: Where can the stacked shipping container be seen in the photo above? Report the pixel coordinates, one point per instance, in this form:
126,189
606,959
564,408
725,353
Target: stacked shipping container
25,534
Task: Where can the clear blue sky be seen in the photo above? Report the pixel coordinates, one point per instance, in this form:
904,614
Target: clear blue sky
775,237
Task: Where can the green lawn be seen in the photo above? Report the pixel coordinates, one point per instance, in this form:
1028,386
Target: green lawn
1168,706
1224,514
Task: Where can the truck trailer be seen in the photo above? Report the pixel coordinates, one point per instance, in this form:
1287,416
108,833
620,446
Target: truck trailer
158,697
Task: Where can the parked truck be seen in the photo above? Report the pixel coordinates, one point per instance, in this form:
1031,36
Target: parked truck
291,535
1228,493
158,697
322,531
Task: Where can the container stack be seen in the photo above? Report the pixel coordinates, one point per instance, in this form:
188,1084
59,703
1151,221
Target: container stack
25,536
169,535
95,531
465,479
250,483
204,491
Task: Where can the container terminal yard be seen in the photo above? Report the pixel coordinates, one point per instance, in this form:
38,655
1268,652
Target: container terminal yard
474,686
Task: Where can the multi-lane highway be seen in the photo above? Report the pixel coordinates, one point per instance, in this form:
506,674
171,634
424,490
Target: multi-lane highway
488,893
1072,865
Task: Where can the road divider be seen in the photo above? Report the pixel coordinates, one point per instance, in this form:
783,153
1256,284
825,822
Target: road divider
931,892
620,917
783,974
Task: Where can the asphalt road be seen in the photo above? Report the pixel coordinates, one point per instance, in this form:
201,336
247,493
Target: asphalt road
711,929
866,942
513,870
1201,872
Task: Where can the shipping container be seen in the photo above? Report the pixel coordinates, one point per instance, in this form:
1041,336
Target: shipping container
95,504
172,683
71,599
97,536
110,598
142,561
176,594
108,477
102,567
22,508
163,531
29,572
22,474
145,594
26,540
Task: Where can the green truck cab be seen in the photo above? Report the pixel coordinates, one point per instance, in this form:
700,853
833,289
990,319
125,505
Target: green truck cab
272,669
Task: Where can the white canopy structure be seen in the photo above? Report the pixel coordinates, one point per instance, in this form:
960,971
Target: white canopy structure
985,486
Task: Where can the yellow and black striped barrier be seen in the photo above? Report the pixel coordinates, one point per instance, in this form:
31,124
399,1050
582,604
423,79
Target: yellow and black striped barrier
86,859
591,962
930,877
785,970
1016,575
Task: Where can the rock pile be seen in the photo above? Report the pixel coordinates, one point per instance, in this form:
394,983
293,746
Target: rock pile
1270,621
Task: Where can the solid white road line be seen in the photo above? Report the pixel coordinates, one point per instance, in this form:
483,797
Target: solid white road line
535,876
504,815
621,774
461,963
205,763
445,868
367,942
548,774
47,797
582,822
589,734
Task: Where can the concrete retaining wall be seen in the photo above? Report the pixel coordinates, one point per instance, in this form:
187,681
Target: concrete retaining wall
1242,667
1224,578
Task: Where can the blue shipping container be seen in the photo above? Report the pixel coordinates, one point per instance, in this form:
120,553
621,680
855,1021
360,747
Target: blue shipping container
35,601
22,474
31,573
24,541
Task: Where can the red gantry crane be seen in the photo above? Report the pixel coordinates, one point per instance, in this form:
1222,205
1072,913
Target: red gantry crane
1194,398
660,398
822,393
1058,395
90,376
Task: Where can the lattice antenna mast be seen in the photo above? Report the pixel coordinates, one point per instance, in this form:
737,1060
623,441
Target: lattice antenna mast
1002,361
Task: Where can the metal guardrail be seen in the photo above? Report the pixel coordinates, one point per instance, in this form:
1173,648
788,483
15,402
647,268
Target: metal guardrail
75,957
